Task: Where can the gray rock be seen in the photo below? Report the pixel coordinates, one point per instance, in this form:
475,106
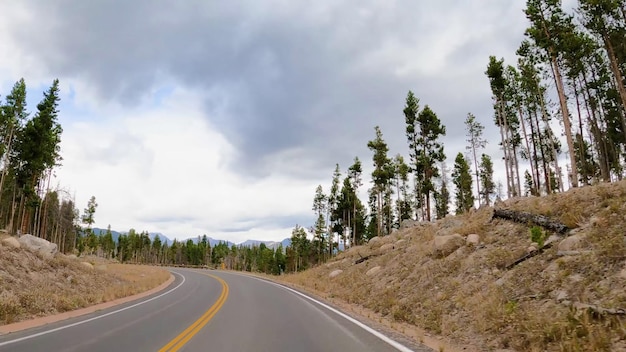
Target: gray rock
373,271
374,240
335,273
571,243
386,247
472,239
37,244
444,245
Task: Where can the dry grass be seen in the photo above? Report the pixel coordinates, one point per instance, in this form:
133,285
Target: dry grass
470,298
33,286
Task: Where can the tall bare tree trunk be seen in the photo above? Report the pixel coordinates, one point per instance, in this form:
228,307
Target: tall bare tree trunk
598,139
505,147
619,79
567,125
555,155
532,167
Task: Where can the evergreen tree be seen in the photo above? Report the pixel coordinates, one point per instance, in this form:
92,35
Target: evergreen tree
528,184
442,196
486,179
12,116
354,173
430,153
333,199
319,207
403,202
411,110
301,247
475,139
381,177
462,180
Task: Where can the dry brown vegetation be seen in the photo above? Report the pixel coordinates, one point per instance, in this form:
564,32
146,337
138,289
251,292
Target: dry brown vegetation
469,297
32,285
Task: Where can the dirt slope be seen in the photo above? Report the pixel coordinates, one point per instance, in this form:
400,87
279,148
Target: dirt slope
431,279
33,285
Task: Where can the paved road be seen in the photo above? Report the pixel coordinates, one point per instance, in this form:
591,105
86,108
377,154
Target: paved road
209,311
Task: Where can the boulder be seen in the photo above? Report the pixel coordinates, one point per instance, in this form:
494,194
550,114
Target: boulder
571,243
472,239
531,248
11,242
386,247
373,271
444,245
374,240
37,244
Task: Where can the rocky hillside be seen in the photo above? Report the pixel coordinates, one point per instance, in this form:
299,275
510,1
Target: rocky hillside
36,280
489,283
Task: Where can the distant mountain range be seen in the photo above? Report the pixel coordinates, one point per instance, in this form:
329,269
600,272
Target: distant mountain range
212,241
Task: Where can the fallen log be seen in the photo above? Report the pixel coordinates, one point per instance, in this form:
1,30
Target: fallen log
362,259
529,218
528,256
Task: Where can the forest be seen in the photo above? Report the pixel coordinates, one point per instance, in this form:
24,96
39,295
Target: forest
559,107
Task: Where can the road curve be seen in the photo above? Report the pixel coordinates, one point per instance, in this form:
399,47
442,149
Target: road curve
206,310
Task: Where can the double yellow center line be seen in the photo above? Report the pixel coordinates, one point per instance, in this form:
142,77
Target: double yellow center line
179,341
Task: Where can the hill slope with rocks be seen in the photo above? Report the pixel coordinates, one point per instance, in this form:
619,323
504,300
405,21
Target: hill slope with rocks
488,283
36,280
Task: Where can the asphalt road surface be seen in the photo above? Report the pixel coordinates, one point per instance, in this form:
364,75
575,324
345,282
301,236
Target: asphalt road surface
205,310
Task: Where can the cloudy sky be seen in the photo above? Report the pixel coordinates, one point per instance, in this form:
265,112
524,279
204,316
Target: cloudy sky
221,117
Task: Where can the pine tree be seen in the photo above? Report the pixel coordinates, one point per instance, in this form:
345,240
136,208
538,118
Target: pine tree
37,152
430,153
403,202
475,139
528,184
319,208
354,173
331,209
462,180
486,179
411,110
442,196
506,121
381,177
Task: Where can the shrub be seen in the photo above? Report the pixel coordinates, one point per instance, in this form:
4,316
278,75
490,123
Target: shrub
537,235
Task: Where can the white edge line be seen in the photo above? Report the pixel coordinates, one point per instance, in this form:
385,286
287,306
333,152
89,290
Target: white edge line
395,344
94,318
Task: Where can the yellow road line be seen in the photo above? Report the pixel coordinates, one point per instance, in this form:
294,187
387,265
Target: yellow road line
184,337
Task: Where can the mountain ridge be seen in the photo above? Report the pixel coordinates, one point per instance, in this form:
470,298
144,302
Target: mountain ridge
212,241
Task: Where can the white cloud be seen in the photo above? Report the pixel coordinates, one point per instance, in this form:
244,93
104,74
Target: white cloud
164,169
